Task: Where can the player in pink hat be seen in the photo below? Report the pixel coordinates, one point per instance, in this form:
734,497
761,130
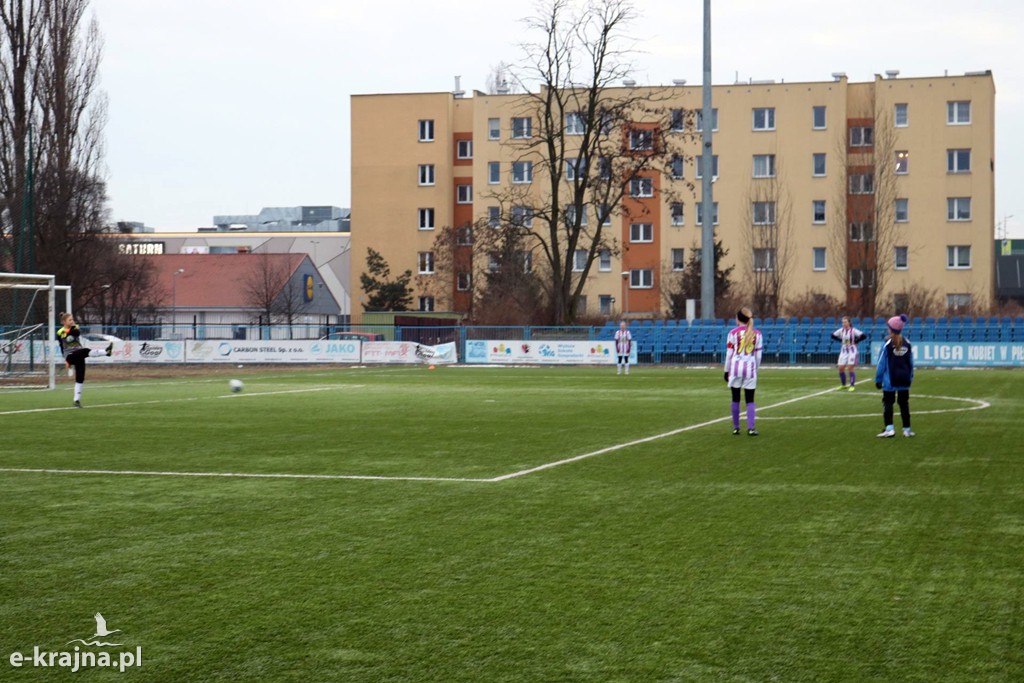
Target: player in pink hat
894,376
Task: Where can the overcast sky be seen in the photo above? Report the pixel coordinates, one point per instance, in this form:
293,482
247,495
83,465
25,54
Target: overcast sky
227,106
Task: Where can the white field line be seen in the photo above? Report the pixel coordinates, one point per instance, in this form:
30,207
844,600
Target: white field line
648,439
156,401
238,475
978,405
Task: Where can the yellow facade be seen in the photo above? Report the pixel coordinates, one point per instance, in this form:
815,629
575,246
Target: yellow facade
388,195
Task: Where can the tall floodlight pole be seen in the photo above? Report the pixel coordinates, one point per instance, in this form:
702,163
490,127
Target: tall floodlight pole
707,230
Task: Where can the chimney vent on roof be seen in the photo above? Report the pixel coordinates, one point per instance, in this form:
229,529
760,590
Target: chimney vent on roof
679,81
629,83
838,75
892,73
458,92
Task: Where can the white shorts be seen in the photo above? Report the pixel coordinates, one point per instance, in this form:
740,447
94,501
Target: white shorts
848,357
743,383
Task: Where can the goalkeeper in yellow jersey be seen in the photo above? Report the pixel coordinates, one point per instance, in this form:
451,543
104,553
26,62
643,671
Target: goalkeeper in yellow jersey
69,338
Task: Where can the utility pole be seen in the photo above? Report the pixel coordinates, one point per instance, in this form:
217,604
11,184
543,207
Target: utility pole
707,232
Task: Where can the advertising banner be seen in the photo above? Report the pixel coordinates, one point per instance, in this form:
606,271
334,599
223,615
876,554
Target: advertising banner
509,352
408,352
961,354
298,351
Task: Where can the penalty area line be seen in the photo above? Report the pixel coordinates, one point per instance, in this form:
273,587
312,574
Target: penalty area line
648,439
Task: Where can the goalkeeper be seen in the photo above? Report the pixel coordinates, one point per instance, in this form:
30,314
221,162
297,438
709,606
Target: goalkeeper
69,337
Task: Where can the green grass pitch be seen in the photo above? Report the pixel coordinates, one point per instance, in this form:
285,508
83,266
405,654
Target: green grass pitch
815,552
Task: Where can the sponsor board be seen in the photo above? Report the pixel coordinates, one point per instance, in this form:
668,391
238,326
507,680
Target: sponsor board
299,351
961,354
408,352
545,352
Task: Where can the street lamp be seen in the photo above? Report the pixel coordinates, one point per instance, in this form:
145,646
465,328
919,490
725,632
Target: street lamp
625,292
174,301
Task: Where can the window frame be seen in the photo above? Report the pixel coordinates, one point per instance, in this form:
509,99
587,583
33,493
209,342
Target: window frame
814,210
768,116
902,162
954,112
641,233
953,254
522,172
896,115
700,213
898,251
575,124
953,159
463,281
763,212
953,209
823,251
522,127
767,159
426,130
427,175
862,136
493,172
641,187
815,109
464,149
425,263
815,158
770,258
677,218
427,212
641,140
464,193
494,128
679,265
637,278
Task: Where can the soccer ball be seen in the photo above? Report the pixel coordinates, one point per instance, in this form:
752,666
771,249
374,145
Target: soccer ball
236,385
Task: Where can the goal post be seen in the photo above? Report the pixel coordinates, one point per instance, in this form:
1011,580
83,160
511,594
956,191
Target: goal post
28,326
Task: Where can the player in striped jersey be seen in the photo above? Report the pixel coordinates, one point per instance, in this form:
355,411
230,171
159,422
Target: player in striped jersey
848,336
623,345
742,359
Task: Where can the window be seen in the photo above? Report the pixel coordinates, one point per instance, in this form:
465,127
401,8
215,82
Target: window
714,119
464,149
522,172
493,172
902,162
818,163
901,116
493,262
426,219
641,140
700,213
678,120
676,166
641,232
862,183
902,212
861,277
426,130
900,301
958,160
526,258
764,213
493,216
579,260
678,259
464,282
605,301
958,257
818,117
641,278
958,113
862,231
818,211
764,165
604,168
522,216
574,124
676,211
862,136
958,208
581,305
641,187
425,260
901,258
764,260
426,303
575,169
522,127
493,129
426,174
570,215
604,260
956,302
700,166
818,258
605,215
464,236
764,119
463,194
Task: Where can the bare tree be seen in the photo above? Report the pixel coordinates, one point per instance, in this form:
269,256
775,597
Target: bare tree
263,284
768,231
678,286
579,144
865,231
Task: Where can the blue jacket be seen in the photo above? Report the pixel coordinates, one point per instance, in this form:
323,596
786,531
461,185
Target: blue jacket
895,369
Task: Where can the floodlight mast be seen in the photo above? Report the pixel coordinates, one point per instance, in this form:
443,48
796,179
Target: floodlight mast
707,232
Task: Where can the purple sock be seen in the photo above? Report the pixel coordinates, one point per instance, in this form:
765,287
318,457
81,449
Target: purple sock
842,378
736,415
751,410
853,378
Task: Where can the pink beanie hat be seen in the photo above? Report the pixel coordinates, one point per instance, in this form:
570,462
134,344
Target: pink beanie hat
896,322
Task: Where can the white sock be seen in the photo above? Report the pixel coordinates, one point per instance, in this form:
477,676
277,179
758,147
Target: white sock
78,391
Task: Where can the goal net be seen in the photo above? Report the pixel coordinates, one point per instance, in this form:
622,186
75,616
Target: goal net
28,323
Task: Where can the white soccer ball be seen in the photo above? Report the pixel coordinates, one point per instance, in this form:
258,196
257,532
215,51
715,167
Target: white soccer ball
236,385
